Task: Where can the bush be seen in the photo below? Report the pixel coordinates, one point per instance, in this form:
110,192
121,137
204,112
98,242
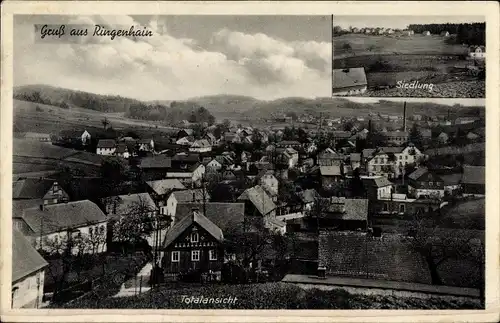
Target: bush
38,108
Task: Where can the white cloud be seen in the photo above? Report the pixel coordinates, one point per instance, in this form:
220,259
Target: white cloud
166,67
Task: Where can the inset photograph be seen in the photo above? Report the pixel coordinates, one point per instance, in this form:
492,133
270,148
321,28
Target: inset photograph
409,56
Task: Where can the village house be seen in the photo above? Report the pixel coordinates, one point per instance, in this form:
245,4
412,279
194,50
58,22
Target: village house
422,182
330,175
184,133
290,157
465,120
129,205
185,141
83,137
269,182
155,167
210,137
160,190
146,145
188,175
201,146
382,163
184,196
194,244
259,207
329,157
426,33
349,81
185,160
396,137
106,147
444,34
477,52
344,214
231,137
122,151
51,227
451,182
402,204
473,180
213,165
288,144
308,198
355,160
28,273
377,187
36,136
43,191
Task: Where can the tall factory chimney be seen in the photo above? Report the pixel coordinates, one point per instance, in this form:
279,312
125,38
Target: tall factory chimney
404,117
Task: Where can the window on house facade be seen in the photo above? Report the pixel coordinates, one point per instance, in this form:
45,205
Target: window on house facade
175,256
213,255
194,237
195,255
386,207
400,158
401,208
406,157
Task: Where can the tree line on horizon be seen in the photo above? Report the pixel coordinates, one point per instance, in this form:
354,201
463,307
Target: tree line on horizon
466,33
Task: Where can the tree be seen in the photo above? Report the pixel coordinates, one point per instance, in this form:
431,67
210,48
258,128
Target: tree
318,210
437,244
348,125
105,123
415,136
347,47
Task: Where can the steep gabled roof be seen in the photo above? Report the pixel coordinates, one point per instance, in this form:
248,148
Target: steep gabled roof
377,182
187,222
419,172
164,186
226,216
106,143
25,259
31,188
259,198
193,195
63,216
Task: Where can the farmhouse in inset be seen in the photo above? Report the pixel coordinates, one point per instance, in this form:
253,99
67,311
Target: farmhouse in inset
349,81
477,51
445,34
426,33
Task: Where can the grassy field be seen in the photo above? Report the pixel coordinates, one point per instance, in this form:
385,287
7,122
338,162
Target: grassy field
373,44
51,119
266,296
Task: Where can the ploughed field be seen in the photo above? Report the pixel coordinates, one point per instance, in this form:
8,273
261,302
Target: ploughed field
428,60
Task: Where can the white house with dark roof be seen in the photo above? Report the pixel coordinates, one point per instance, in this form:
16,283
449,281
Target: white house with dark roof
422,182
160,190
190,175
106,147
227,216
201,146
50,227
36,136
349,81
28,273
197,195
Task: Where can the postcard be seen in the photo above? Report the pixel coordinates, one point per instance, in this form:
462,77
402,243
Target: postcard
256,161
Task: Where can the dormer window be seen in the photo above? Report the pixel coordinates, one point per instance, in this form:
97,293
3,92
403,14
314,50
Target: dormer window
194,237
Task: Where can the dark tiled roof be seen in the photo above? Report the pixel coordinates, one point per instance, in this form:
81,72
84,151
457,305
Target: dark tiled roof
377,182
348,209
451,179
474,175
165,186
226,216
259,198
189,196
330,170
106,143
25,259
186,222
18,206
419,172
59,217
31,188
187,158
354,254
308,196
160,161
121,148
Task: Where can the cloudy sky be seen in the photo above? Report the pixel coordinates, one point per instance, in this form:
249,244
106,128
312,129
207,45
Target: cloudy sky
265,57
399,22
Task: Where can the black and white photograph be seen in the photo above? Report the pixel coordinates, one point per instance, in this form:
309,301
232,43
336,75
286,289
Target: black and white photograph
409,56
201,162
